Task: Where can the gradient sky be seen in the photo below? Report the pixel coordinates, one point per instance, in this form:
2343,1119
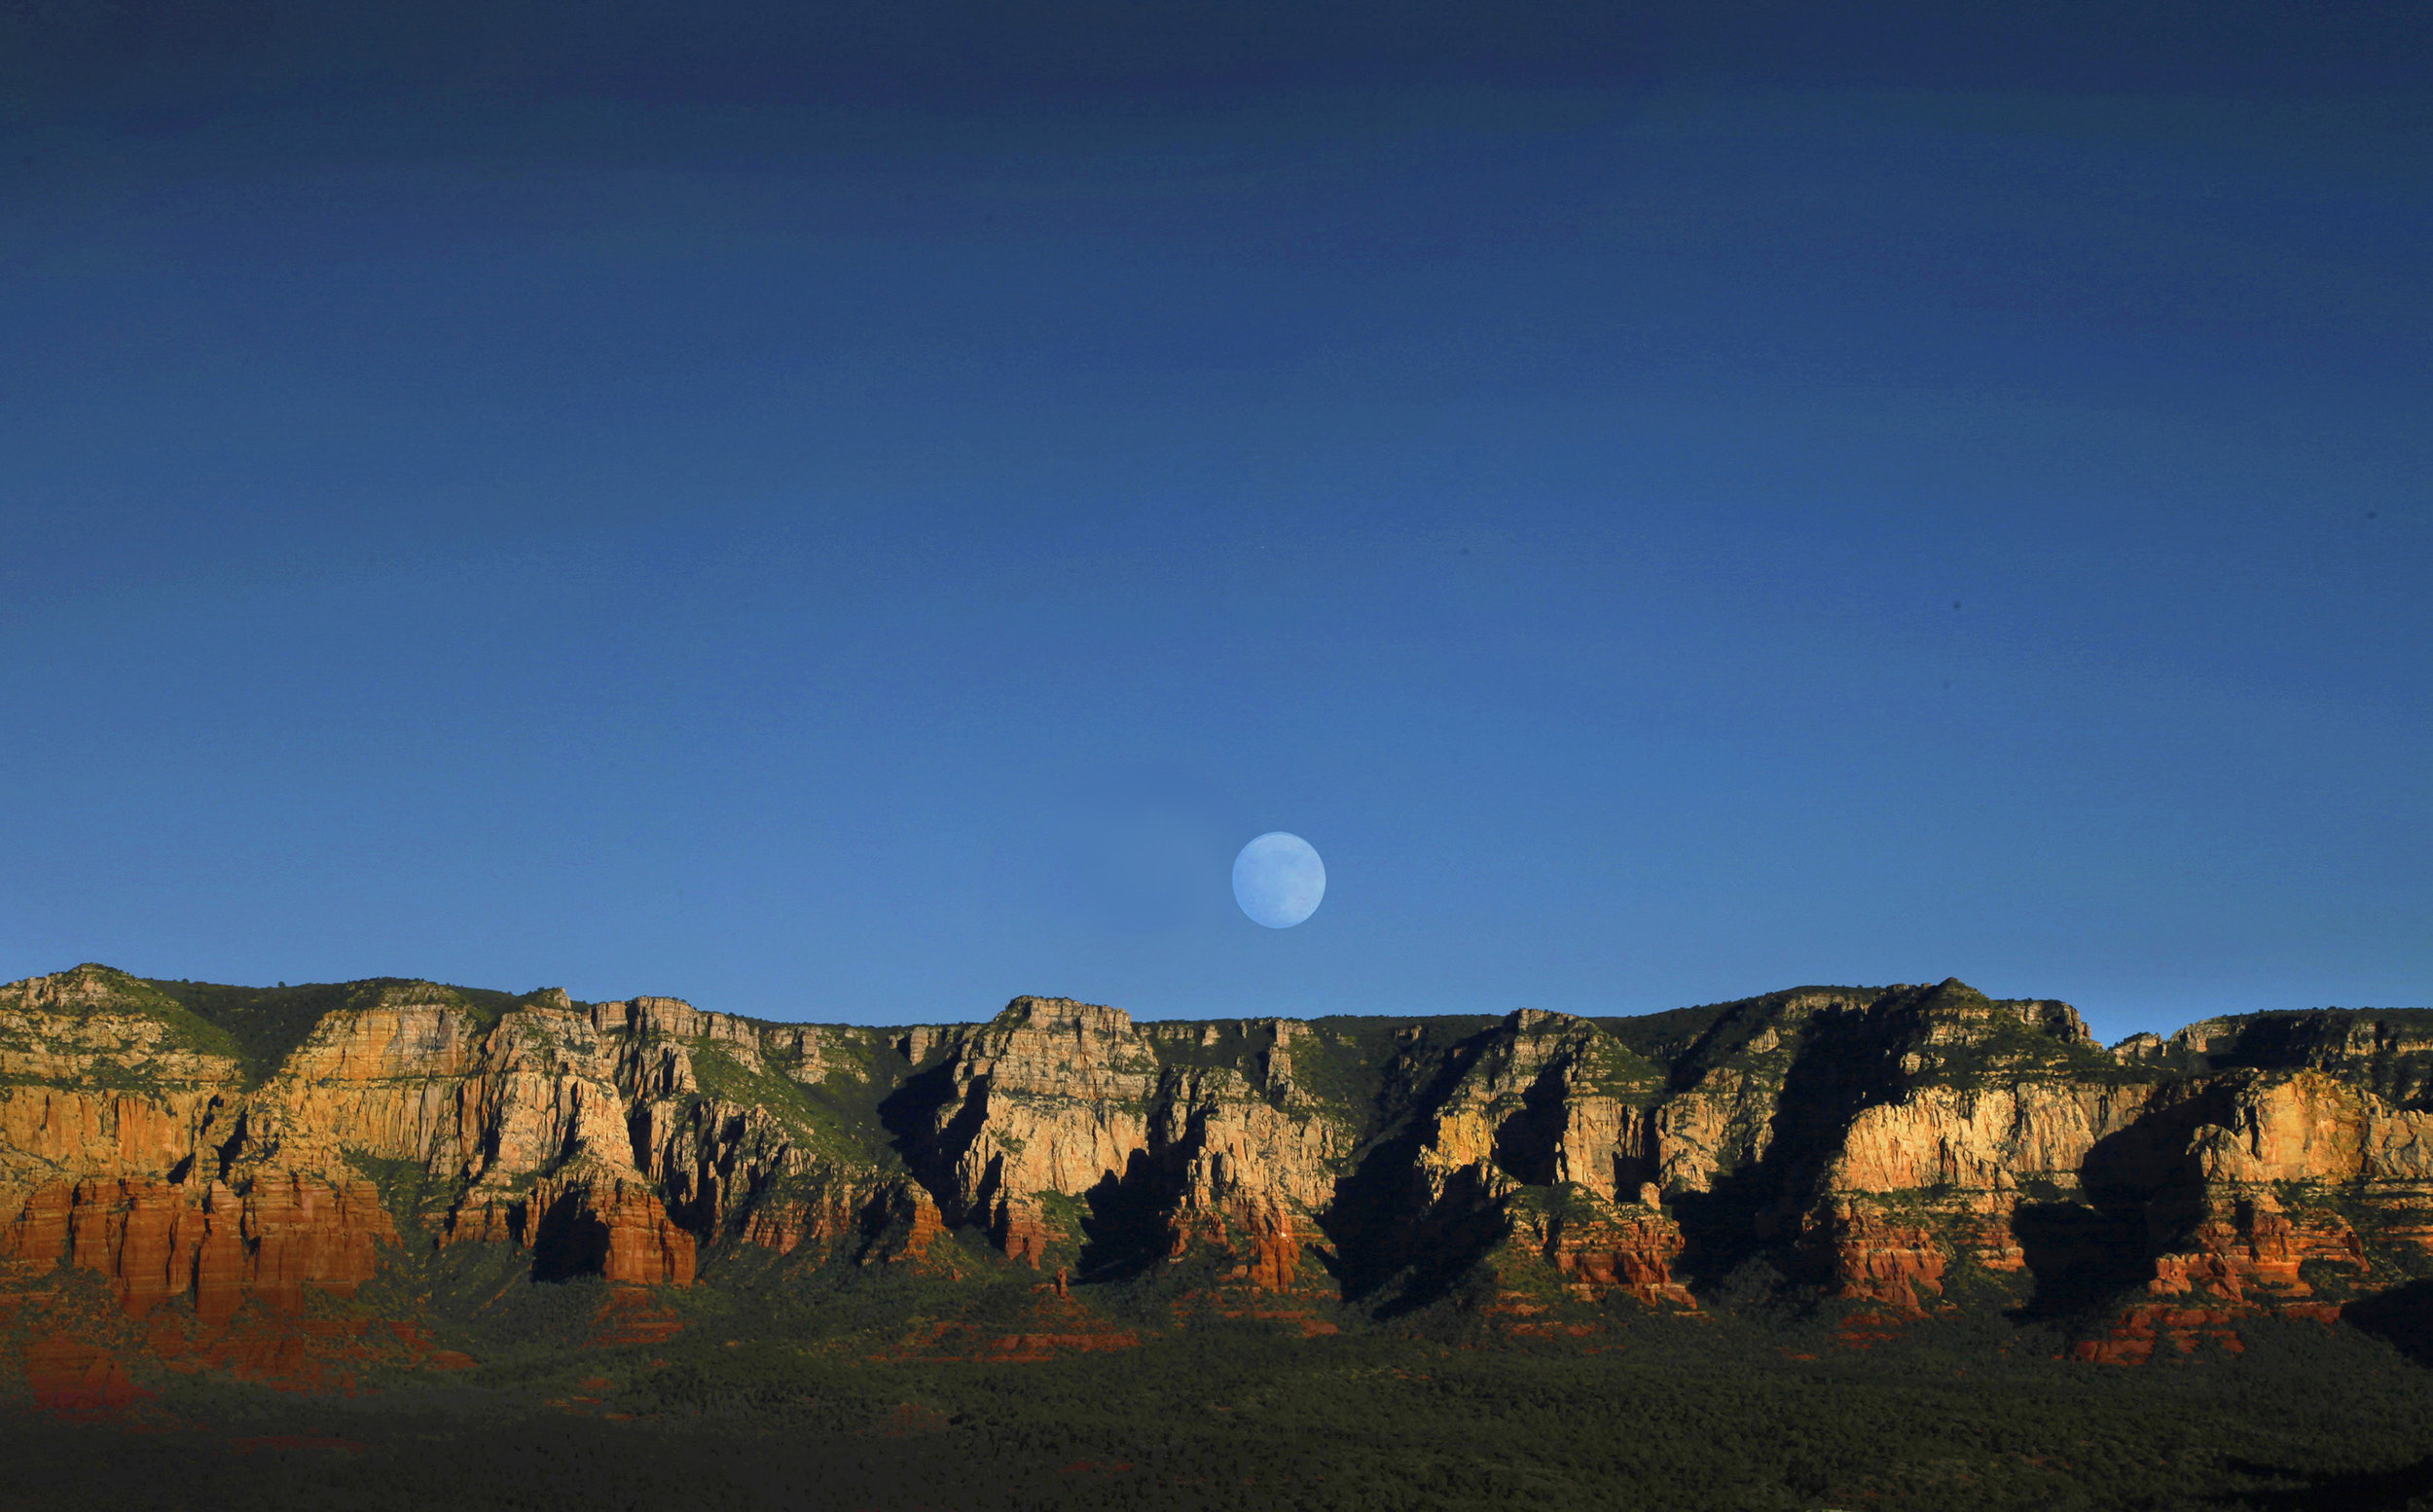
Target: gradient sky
855,524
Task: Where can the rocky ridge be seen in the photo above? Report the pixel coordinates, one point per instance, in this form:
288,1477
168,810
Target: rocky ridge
1897,1147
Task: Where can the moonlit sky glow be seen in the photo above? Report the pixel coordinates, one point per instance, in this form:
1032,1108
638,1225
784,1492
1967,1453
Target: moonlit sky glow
846,514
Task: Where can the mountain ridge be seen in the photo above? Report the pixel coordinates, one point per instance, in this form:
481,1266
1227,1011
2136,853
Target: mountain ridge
1910,1148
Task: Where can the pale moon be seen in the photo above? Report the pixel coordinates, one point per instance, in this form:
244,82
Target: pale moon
1278,879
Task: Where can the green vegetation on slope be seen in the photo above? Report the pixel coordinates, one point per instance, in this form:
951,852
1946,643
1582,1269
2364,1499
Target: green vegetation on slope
118,994
836,1116
1363,1064
1189,1044
262,1026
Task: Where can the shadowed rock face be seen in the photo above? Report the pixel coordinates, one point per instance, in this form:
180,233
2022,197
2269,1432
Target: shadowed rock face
189,1140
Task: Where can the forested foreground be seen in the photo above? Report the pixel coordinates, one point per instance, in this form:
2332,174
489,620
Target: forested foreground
904,1392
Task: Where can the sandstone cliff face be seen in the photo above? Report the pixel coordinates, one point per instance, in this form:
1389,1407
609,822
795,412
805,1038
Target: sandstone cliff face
100,1077
1988,1139
1549,1101
2276,1172
180,1179
1885,1144
1198,1131
1246,1131
1052,1097
1532,1140
158,1239
1901,1130
390,1082
2219,1183
2387,1052
1720,1120
1939,1175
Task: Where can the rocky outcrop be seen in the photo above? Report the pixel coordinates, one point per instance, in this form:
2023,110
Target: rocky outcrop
1057,1109
154,1162
1052,1097
2233,1182
1539,1133
2387,1052
1937,1177
2272,1169
1906,1128
157,1240
103,1077
50,1133
605,1225
1625,1247
1982,1139
1883,1145
394,1082
1548,1100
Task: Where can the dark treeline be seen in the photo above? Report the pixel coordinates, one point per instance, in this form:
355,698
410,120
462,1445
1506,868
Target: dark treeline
845,1396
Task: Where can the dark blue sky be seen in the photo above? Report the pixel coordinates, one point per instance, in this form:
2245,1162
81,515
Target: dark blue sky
857,526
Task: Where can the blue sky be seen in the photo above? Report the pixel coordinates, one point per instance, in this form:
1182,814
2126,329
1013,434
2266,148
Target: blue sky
862,553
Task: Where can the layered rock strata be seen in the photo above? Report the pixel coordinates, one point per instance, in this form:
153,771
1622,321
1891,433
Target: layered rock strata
1895,1146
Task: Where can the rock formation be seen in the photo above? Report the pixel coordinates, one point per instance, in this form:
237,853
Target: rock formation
1893,1146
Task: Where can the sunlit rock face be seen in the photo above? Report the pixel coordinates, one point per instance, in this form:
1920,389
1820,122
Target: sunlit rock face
1895,1146
1179,1126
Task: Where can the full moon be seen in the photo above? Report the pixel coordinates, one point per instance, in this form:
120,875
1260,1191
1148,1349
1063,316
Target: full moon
1278,879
